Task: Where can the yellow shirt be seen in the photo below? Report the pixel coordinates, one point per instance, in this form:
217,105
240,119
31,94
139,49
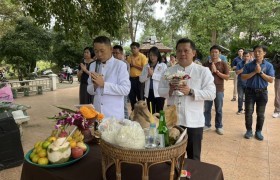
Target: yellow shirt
140,60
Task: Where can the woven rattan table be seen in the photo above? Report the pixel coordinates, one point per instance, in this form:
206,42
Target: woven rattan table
112,154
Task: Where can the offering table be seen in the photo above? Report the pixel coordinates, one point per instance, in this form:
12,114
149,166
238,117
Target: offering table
90,168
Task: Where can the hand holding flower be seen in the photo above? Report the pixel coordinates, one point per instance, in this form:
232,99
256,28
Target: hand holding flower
184,88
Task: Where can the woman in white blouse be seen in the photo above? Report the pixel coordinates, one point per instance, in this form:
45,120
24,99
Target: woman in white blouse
151,75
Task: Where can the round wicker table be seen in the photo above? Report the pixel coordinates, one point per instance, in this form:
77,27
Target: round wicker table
113,154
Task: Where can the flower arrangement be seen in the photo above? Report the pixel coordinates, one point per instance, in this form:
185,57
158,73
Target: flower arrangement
82,118
179,75
177,79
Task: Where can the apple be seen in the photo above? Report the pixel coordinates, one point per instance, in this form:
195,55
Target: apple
63,134
76,152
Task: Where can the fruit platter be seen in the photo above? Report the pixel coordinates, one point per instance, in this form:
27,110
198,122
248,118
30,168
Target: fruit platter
64,147
58,151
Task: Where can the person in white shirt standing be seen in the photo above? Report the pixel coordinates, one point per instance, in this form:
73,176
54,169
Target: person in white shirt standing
109,80
198,88
151,75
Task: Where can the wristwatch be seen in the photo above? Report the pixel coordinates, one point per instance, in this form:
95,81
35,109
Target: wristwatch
191,92
261,73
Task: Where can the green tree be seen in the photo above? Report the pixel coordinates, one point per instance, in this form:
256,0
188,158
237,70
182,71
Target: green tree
204,21
138,12
9,12
23,46
67,52
160,29
209,22
258,23
73,17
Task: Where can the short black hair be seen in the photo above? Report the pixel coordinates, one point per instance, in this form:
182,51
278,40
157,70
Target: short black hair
135,44
241,49
119,47
92,54
186,40
215,47
263,47
245,53
102,39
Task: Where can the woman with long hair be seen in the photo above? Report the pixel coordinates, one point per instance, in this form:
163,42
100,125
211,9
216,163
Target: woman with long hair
83,74
151,75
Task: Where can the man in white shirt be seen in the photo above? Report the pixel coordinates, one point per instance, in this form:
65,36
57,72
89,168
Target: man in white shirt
198,88
109,80
69,72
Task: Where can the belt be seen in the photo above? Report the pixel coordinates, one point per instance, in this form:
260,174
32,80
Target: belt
256,90
134,77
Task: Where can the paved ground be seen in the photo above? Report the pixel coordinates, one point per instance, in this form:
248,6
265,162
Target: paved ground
239,158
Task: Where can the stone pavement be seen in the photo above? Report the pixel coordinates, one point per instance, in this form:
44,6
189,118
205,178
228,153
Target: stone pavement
239,158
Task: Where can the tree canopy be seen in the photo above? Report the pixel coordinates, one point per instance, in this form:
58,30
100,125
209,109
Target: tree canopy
9,12
73,17
226,22
26,44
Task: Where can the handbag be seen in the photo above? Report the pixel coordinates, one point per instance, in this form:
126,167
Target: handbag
6,94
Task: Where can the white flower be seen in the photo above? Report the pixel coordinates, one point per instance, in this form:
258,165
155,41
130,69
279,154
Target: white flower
179,75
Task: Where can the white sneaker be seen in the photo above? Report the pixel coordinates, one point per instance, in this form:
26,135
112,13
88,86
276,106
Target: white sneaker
220,131
276,115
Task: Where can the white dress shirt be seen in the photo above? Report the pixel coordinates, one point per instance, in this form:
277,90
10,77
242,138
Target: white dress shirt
158,73
190,109
109,100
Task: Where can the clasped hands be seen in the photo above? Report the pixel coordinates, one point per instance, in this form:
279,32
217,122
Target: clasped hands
182,87
150,71
258,68
97,79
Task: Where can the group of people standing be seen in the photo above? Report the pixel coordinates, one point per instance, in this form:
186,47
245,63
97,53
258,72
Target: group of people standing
253,76
107,79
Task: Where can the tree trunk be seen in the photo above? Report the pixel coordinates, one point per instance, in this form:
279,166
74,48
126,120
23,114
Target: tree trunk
213,37
250,38
131,25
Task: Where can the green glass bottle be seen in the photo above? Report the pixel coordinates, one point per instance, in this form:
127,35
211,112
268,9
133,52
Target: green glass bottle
163,132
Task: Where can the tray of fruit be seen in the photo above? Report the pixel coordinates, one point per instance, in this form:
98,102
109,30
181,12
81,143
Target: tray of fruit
58,152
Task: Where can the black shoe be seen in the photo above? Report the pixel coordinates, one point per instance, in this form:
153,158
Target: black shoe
258,135
233,99
248,134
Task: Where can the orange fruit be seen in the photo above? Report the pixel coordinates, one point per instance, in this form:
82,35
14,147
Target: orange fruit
73,143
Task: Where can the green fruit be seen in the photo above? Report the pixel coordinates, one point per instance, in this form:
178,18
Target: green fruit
42,153
36,144
46,144
35,158
43,161
40,144
32,155
38,149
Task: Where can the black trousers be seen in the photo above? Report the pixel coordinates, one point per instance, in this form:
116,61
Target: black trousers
85,97
136,92
259,98
157,102
194,143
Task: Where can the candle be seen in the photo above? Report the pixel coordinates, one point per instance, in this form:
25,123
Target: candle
151,110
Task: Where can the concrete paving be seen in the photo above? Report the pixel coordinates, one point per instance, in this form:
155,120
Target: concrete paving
238,157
